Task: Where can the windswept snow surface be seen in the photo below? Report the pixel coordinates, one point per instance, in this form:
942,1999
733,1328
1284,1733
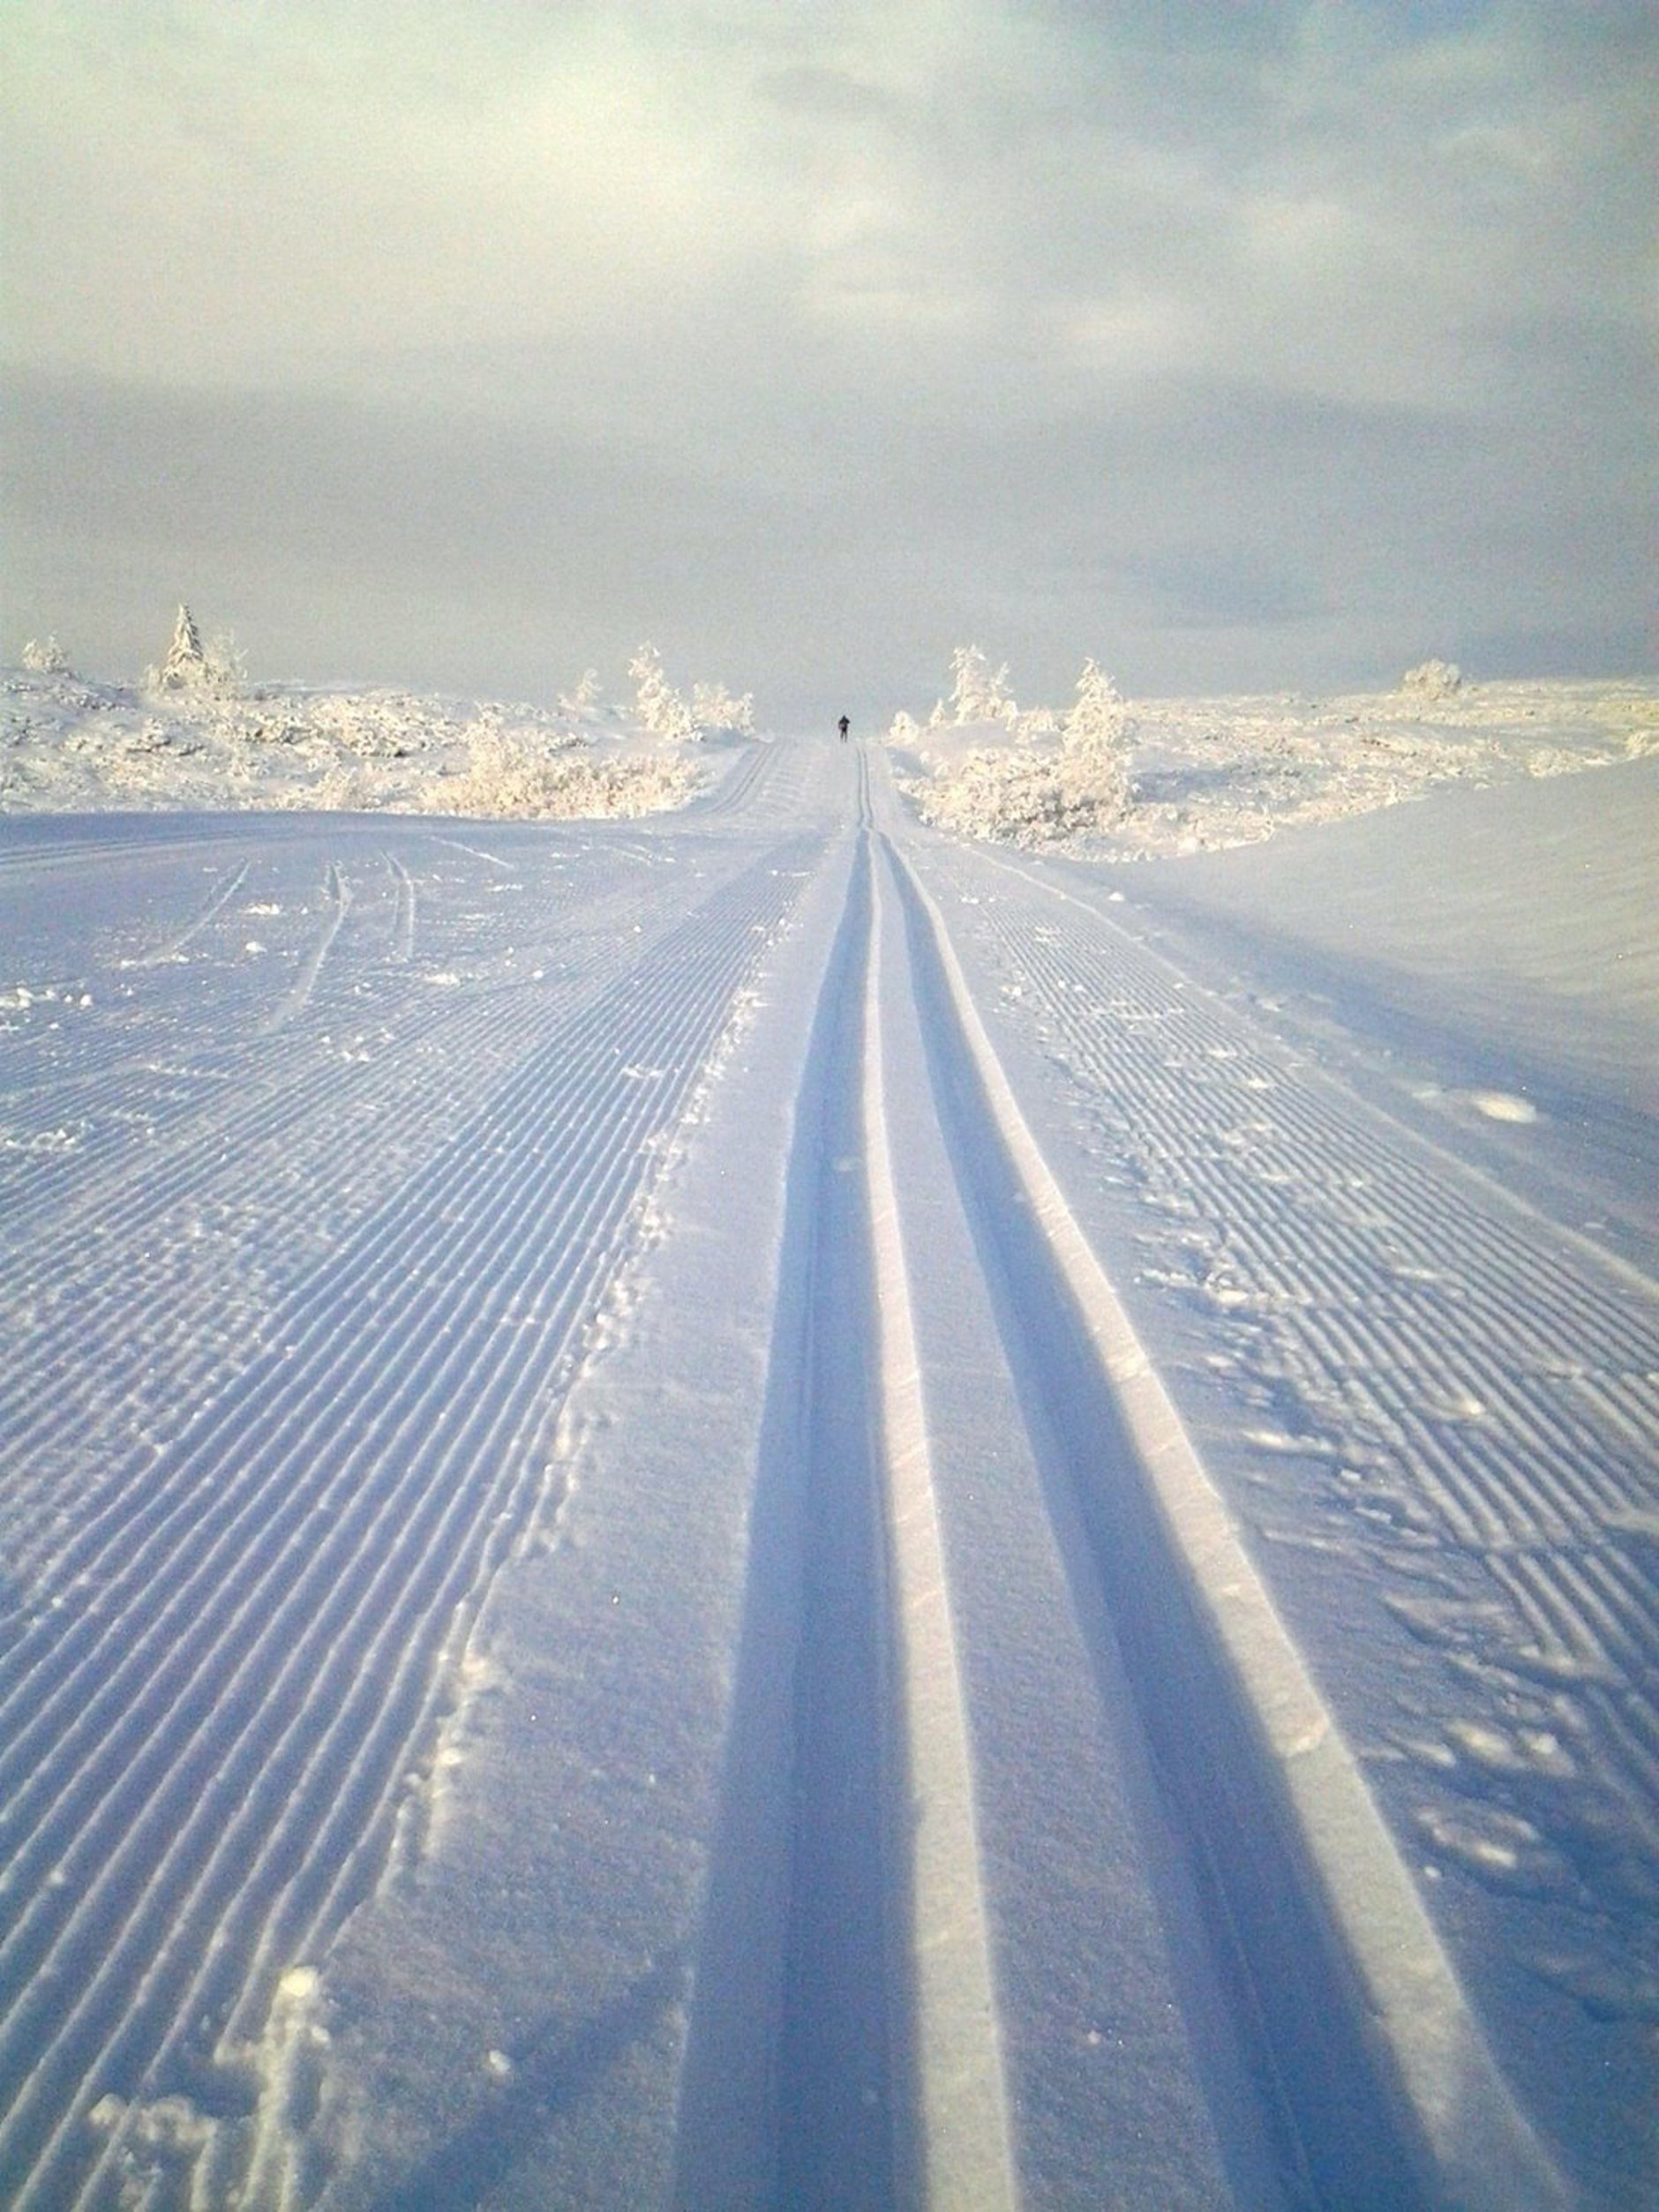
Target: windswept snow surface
758,1508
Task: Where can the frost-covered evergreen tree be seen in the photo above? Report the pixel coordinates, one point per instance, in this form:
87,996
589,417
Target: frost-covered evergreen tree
215,668
45,657
1094,742
186,662
195,666
587,693
661,709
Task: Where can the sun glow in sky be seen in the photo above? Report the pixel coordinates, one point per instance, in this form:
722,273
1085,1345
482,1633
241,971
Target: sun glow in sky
469,341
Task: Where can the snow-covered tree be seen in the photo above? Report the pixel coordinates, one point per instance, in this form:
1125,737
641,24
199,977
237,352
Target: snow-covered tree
191,665
1433,680
45,657
1098,715
186,662
587,693
978,692
1094,742
661,709
714,708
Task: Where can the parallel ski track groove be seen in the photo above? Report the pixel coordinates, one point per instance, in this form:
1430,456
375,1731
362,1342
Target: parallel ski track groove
1535,1462
402,938
965,2142
107,1973
1388,1980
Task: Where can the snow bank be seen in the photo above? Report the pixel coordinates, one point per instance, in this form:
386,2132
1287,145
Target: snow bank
1519,914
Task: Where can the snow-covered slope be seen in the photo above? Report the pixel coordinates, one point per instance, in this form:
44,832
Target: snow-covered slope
760,1508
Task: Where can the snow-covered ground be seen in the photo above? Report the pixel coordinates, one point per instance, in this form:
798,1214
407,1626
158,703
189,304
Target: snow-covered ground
1212,773
67,744
758,1506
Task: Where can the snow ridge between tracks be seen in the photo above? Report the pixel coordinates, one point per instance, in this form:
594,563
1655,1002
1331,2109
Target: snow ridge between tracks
964,2119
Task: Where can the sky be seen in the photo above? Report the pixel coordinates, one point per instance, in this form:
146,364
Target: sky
466,343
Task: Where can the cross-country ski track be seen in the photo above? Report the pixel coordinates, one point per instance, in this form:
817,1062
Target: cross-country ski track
745,1510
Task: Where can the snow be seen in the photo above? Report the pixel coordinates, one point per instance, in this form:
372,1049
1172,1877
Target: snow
1212,773
1518,909
742,1505
205,738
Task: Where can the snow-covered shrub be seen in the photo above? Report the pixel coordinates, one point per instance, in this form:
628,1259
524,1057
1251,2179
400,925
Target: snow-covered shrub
661,709
509,776
1433,680
45,657
713,708
1065,780
905,731
1027,796
1034,722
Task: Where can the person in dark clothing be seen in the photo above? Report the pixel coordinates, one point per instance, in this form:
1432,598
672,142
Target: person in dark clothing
843,725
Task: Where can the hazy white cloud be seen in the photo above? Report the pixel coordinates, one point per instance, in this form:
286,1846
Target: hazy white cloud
1264,342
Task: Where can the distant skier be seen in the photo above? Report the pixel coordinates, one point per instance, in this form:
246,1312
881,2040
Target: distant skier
843,725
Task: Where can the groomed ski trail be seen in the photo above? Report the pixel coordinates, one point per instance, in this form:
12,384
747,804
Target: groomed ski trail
691,1637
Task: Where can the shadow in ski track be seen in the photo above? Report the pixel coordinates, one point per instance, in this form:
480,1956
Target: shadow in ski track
552,2071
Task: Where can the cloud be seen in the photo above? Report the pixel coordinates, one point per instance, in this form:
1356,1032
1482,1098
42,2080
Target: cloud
1238,343
817,91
